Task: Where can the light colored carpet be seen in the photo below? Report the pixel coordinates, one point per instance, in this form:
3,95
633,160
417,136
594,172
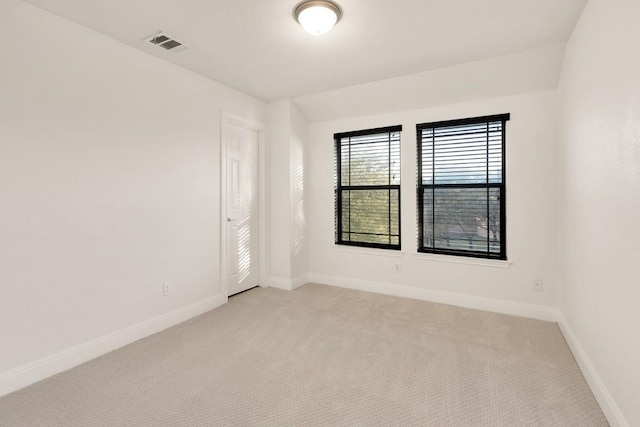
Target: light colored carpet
324,356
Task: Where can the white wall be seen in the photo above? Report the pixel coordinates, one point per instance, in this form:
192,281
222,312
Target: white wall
531,245
599,203
109,184
298,170
279,196
529,71
288,132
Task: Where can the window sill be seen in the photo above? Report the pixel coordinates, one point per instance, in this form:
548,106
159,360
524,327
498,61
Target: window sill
495,263
368,251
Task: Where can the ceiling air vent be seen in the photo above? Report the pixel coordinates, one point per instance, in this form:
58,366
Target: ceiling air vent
167,42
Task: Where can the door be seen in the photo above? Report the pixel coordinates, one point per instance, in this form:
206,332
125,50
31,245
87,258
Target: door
242,208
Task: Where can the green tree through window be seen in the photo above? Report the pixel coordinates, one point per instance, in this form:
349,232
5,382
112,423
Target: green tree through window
367,189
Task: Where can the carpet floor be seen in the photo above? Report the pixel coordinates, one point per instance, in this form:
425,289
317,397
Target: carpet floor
323,355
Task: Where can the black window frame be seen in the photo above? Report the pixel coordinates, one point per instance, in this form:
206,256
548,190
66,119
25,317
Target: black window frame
339,188
421,188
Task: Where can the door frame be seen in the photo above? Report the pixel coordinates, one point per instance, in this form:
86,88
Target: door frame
227,119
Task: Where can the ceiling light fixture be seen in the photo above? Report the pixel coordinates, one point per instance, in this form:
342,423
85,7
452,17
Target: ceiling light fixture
317,16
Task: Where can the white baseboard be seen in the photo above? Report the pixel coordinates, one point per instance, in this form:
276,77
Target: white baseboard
460,300
288,284
302,279
604,398
38,370
280,283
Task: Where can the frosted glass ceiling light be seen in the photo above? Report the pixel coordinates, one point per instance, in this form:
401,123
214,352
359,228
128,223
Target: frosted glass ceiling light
317,16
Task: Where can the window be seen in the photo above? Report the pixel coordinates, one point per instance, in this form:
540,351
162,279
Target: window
367,193
461,187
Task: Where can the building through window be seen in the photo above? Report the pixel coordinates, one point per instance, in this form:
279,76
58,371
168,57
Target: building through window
461,187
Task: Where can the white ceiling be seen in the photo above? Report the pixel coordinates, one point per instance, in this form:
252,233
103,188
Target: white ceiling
256,46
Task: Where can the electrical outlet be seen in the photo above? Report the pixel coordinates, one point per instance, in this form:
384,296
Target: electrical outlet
396,267
166,288
537,285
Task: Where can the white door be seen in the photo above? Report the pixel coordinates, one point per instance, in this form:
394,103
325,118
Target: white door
242,208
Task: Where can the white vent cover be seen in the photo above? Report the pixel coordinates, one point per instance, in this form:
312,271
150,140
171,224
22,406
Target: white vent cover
167,42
